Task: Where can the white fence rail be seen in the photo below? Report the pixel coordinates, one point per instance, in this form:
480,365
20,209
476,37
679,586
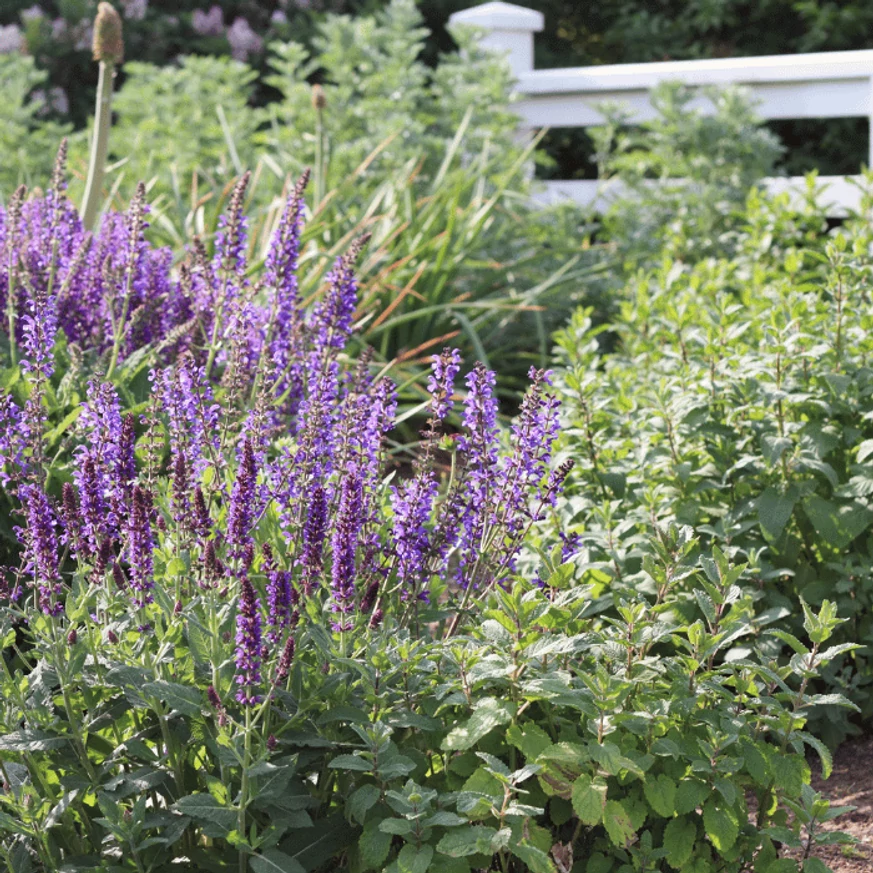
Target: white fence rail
820,85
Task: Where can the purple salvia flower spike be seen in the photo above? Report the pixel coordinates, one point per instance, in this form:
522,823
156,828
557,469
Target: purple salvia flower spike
249,647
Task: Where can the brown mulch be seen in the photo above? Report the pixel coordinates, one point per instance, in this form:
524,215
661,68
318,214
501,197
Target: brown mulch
851,784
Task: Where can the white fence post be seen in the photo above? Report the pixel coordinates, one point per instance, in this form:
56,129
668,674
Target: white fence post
509,29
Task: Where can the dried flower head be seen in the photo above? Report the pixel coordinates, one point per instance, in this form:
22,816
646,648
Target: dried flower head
108,44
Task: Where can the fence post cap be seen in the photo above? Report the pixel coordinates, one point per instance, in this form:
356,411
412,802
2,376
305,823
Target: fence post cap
500,16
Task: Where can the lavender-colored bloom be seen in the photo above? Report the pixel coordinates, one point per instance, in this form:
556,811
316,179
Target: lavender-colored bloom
32,13
280,275
534,433
314,533
11,39
140,547
208,23
134,10
284,664
42,549
344,545
249,647
441,383
243,40
241,513
412,502
280,595
13,435
478,448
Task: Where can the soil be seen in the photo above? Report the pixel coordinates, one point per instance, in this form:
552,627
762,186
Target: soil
850,784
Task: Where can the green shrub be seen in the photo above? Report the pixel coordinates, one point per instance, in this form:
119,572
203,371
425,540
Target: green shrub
27,141
738,400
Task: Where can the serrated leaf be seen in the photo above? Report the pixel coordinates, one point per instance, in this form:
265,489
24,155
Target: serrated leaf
205,808
588,798
31,741
274,861
690,793
474,840
414,860
488,715
790,772
720,825
618,824
679,837
824,753
536,859
351,762
837,524
374,845
661,794
774,510
361,801
183,698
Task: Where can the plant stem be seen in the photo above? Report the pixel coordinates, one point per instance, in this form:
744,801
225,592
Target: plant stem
99,144
244,790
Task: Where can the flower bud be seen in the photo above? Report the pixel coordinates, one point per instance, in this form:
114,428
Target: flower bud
112,636
177,608
72,636
272,742
319,98
108,44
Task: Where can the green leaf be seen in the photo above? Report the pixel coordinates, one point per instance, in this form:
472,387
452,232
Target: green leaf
720,825
618,824
488,715
790,772
183,698
274,861
837,524
474,840
824,753
206,809
313,846
690,794
774,510
679,837
361,801
589,799
31,741
609,756
661,794
815,865
536,859
351,762
414,860
374,845
530,740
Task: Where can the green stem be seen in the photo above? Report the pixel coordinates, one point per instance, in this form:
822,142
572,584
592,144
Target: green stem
99,144
244,790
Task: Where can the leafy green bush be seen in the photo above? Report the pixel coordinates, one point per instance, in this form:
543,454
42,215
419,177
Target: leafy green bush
684,175
737,400
26,140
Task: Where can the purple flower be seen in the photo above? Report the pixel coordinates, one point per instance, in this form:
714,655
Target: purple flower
241,513
208,23
412,502
42,549
441,382
249,649
140,547
243,40
344,544
478,448
314,532
280,596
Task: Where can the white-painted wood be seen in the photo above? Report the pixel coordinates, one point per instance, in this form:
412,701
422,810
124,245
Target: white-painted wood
840,194
508,28
815,85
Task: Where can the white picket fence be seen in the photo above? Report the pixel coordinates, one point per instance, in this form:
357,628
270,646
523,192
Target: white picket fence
819,85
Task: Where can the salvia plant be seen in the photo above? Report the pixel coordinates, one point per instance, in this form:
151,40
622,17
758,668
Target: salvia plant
239,634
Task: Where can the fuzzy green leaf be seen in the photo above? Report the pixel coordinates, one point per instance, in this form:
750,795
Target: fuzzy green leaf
661,794
589,799
488,715
274,861
618,824
679,837
721,826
